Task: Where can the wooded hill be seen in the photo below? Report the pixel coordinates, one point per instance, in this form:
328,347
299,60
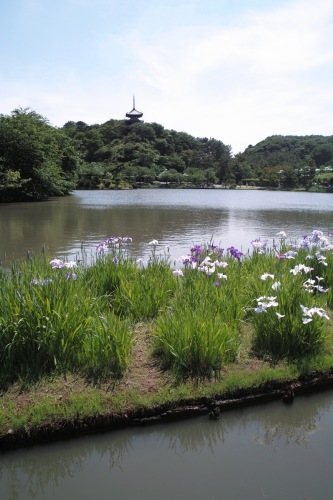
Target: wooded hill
287,162
119,153
38,160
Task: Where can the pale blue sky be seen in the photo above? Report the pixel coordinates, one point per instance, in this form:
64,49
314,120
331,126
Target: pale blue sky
235,70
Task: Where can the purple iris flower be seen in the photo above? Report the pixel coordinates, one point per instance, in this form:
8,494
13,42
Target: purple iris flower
71,276
47,281
197,249
235,253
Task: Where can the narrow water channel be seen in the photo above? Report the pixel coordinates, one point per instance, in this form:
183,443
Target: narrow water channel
270,451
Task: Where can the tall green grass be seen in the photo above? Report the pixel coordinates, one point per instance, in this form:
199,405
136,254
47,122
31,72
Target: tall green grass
288,306
81,318
50,321
136,292
199,333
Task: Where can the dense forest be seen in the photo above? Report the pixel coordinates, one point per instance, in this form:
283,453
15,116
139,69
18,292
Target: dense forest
120,153
38,160
287,162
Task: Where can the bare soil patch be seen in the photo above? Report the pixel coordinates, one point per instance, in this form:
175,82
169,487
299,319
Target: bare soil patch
145,373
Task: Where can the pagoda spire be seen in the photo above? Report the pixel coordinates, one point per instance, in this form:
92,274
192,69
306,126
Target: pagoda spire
134,115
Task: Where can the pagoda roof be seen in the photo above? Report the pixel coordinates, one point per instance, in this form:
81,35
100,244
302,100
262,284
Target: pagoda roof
135,113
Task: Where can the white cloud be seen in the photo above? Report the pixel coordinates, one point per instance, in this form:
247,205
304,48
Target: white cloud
259,74
247,80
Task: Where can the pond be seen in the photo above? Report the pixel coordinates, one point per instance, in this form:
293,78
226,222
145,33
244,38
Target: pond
176,218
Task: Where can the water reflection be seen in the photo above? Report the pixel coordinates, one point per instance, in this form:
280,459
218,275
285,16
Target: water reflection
240,439
176,218
274,425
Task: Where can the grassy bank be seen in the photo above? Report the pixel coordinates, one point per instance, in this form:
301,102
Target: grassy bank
121,335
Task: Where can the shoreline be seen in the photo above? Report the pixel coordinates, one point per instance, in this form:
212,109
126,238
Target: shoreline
214,406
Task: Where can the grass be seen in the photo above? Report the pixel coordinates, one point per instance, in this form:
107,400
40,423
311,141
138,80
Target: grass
53,400
118,335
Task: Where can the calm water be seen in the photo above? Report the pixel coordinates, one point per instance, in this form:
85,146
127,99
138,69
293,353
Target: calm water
272,451
176,218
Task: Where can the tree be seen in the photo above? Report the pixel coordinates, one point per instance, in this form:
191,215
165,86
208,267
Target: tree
323,154
37,160
120,146
170,176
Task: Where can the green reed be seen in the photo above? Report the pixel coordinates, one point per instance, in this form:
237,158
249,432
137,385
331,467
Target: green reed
289,319
107,347
50,321
135,291
68,318
199,333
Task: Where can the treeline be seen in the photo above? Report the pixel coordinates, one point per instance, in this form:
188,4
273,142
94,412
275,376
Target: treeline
119,153
38,161
287,162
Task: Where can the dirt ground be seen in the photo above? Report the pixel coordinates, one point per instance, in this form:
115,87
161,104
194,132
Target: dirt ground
144,374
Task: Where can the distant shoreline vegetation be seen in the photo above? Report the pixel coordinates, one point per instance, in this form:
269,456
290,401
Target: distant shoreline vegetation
158,185
38,161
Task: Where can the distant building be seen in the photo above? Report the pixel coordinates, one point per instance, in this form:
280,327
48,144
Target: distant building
134,115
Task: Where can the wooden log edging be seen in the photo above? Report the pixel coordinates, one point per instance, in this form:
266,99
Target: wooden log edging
79,426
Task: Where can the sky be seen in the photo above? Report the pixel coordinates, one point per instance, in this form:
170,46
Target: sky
234,70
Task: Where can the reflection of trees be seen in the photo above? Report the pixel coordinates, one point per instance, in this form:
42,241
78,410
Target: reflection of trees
175,217
194,438
32,475
291,424
64,224
32,472
276,433
275,425
37,470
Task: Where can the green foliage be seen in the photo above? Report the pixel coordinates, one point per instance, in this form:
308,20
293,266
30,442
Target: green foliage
36,159
284,161
324,178
199,333
56,317
288,298
135,292
286,336
49,321
178,159
140,153
106,351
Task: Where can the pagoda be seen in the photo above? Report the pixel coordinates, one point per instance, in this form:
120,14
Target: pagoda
134,115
